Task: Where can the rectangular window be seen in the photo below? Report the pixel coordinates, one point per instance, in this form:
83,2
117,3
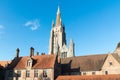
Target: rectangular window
28,63
18,73
64,55
44,73
84,73
106,72
110,63
35,73
27,73
10,74
93,73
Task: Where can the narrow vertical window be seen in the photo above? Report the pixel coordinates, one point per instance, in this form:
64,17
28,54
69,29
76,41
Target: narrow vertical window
64,55
10,74
27,73
35,73
44,73
106,72
28,63
18,73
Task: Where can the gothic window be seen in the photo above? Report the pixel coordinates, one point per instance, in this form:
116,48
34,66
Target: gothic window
18,73
10,74
64,55
44,73
27,73
35,73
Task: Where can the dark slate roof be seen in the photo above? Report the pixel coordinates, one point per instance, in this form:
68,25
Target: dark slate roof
39,62
83,63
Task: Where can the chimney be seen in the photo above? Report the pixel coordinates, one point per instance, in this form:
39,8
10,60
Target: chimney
17,52
37,53
31,51
42,53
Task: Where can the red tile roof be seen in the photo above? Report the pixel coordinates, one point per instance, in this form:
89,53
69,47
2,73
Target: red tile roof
39,61
92,77
4,63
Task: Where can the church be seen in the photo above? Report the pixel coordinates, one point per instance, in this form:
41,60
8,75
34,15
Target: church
60,60
58,44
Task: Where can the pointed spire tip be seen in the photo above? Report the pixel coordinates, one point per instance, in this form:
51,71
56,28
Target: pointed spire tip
58,11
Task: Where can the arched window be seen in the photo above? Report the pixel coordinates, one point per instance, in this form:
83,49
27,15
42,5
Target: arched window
28,63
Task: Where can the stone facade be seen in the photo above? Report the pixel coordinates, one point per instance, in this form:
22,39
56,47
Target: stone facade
57,44
102,64
33,67
23,75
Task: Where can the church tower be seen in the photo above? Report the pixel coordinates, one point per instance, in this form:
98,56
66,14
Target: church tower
58,37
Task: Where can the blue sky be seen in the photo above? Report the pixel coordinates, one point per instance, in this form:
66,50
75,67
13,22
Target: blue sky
94,25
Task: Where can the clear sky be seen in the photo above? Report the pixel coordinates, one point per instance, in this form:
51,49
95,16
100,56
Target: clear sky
94,25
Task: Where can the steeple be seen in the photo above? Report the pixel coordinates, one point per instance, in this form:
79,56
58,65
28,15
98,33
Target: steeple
117,50
52,23
71,49
57,43
58,18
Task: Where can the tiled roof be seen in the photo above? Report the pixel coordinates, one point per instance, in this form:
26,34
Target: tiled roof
84,63
92,77
39,61
4,63
116,56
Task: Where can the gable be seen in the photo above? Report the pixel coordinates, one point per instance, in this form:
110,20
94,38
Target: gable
110,63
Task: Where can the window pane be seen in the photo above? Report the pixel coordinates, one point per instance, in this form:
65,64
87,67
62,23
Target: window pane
19,73
27,73
35,73
93,73
10,73
44,73
84,73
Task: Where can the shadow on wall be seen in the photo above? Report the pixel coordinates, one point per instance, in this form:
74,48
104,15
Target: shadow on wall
2,72
67,70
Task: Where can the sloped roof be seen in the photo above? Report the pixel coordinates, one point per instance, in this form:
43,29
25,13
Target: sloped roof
39,61
4,63
84,63
91,77
116,56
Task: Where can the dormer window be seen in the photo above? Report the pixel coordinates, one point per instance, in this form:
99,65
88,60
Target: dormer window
29,63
